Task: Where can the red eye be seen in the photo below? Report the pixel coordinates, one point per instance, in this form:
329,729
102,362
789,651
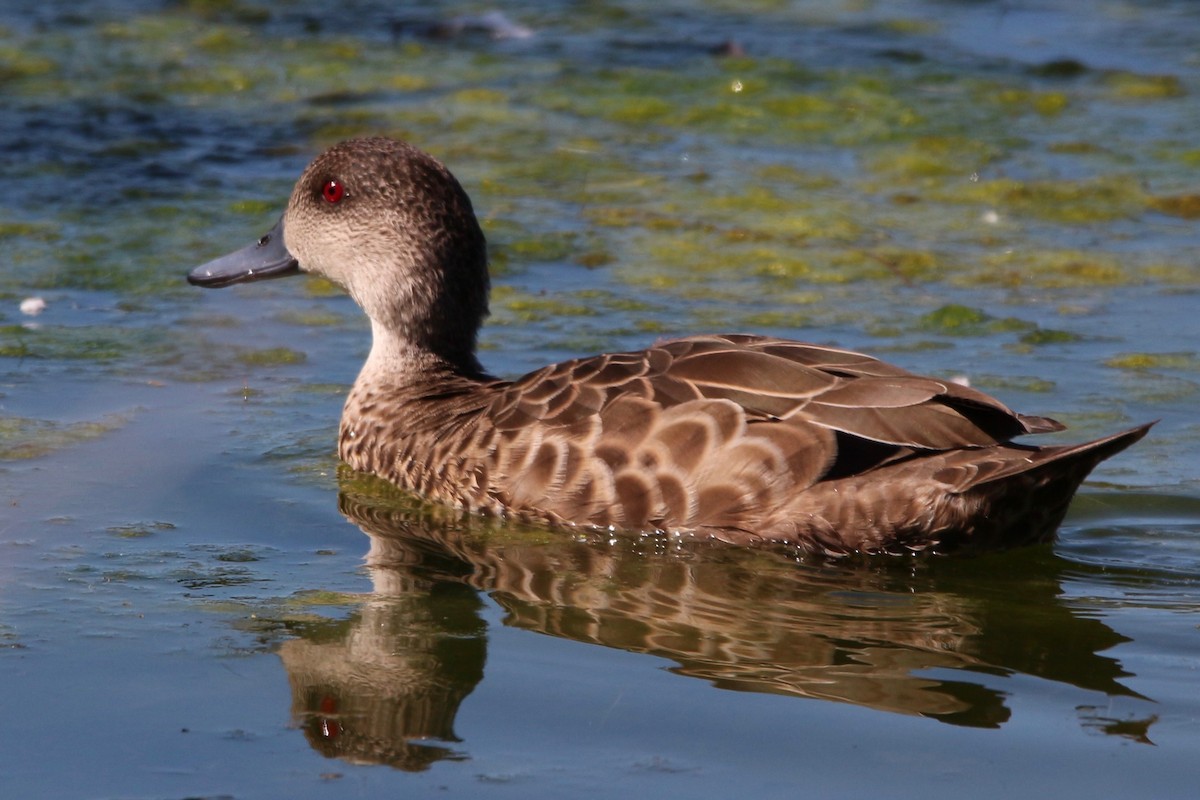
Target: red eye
333,191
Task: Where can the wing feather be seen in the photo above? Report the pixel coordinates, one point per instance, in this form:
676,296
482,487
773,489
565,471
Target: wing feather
701,431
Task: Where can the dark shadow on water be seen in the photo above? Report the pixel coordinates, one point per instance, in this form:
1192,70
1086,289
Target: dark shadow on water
907,636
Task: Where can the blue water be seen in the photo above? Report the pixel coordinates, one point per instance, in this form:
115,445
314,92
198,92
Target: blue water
195,601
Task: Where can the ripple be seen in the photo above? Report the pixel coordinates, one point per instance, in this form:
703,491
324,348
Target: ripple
1135,550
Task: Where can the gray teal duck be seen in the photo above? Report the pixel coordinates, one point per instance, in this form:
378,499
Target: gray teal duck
745,439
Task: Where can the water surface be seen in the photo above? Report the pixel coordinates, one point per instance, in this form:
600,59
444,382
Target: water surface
196,601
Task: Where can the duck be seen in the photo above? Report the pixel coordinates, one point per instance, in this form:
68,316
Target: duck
737,438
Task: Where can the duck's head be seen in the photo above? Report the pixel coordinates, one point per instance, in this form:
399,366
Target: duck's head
394,228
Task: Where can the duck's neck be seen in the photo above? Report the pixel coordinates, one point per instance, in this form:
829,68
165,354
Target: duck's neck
405,400
400,364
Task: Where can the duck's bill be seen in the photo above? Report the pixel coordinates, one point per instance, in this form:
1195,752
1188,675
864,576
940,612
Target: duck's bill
266,258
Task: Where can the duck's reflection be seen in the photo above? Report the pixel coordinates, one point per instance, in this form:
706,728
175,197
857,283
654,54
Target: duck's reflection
386,685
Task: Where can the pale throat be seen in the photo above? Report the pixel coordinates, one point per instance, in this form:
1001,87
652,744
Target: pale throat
396,361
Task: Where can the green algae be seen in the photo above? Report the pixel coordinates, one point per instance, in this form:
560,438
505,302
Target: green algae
17,64
1052,269
762,212
1173,274
247,13
253,207
909,26
271,357
23,438
593,258
956,319
933,156
317,598
309,318
247,393
282,615
55,343
140,530
1046,103
1134,86
1059,68
609,301
41,231
769,98
322,287
1146,361
534,248
520,307
239,555
625,217
1042,336
910,266
1186,206
1075,147
959,320
1062,201
147,353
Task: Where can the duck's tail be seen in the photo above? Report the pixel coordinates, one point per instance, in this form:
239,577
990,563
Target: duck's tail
1037,490
1073,458
984,498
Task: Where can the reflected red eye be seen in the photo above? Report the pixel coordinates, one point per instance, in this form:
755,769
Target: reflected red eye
333,191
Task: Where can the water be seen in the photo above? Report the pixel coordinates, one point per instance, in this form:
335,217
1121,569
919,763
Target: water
188,604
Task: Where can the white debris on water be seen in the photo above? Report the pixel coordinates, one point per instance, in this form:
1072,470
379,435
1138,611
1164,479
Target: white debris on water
33,306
